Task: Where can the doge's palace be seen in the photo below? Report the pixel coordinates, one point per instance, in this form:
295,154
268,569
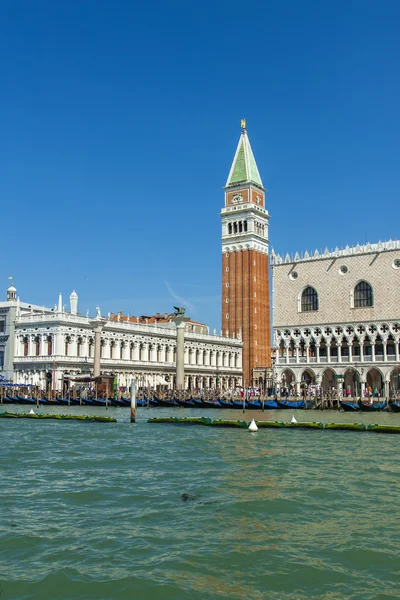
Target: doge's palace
337,319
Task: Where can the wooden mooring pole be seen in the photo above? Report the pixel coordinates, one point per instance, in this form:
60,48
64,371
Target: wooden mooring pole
133,401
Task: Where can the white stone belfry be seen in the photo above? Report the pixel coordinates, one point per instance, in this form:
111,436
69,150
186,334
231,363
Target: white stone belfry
73,302
11,293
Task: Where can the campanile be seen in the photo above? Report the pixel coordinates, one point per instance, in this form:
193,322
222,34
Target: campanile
245,272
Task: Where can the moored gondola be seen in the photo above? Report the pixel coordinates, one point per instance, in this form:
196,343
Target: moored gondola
185,403
373,407
254,405
226,404
163,402
198,403
349,406
395,405
293,404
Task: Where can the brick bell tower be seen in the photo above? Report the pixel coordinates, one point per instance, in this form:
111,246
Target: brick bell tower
245,272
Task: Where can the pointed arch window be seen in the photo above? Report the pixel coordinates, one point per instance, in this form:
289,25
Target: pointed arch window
309,299
363,295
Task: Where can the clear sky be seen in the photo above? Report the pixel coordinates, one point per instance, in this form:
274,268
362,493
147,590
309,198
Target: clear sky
119,121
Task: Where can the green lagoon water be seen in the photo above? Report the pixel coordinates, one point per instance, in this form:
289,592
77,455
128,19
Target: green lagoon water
95,511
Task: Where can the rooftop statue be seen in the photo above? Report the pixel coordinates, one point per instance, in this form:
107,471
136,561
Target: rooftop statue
179,310
98,312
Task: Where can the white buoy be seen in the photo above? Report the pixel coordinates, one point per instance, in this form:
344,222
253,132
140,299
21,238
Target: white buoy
32,412
253,426
293,420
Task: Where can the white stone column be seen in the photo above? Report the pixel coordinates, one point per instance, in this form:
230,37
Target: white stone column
361,341
186,355
373,349
396,349
287,353
72,351
328,351
307,348
213,356
240,360
350,350
168,352
153,352
106,348
317,352
180,355
85,346
384,343
207,358
192,356
339,351
297,353
136,351
31,345
97,328
386,389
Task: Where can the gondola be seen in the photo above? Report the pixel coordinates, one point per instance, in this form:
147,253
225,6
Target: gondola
238,404
87,401
226,404
62,401
10,400
293,404
254,405
197,402
211,404
186,403
22,400
395,405
349,406
367,407
164,402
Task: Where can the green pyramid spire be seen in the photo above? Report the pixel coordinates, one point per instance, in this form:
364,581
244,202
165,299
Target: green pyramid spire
244,167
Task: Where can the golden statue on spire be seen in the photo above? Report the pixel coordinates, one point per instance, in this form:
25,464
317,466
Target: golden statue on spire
243,123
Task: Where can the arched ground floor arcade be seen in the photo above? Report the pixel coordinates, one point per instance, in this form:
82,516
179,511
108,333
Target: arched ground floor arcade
347,380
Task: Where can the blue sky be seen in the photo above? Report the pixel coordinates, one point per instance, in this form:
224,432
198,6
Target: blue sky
119,121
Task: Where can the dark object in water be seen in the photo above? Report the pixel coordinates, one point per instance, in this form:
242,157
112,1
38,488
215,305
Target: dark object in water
186,497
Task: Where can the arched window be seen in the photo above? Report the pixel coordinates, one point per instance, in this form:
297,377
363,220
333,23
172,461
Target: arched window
363,295
229,228
309,299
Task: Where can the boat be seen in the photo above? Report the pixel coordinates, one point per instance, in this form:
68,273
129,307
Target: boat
271,404
62,401
211,404
87,401
238,404
186,403
254,405
372,407
395,405
197,402
22,400
293,404
163,402
349,406
226,404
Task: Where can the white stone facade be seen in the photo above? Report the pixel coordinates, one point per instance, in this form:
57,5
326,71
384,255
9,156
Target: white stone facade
337,318
63,343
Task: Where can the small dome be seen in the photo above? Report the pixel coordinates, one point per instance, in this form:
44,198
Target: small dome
12,288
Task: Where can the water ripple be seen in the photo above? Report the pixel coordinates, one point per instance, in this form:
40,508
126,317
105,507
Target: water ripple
96,511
